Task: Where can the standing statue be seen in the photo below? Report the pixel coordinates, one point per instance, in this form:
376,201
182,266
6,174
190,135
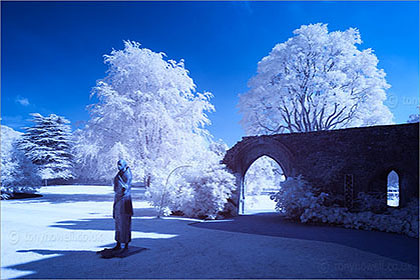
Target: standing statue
123,207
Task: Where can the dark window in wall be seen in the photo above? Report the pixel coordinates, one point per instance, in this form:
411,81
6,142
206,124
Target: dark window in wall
393,189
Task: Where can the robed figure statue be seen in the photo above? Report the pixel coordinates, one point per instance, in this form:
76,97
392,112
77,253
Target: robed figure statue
123,207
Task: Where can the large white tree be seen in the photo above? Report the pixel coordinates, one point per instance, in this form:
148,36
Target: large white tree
48,145
316,80
148,112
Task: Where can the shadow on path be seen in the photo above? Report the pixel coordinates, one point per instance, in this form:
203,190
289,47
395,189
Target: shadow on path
395,246
158,238
178,251
132,250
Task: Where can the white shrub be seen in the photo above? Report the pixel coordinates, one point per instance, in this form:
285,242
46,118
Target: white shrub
296,196
198,191
211,187
298,200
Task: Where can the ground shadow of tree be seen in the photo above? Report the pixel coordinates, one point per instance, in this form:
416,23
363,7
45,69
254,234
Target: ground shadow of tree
88,264
395,246
162,255
189,250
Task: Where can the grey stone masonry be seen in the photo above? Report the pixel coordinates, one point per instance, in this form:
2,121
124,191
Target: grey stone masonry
359,158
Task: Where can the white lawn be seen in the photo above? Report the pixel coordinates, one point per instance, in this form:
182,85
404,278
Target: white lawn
258,204
57,235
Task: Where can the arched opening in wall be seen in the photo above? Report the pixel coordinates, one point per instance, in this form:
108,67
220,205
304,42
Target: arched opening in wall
393,189
262,179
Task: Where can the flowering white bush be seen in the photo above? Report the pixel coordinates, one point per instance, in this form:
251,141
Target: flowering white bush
198,191
298,200
296,196
211,187
404,220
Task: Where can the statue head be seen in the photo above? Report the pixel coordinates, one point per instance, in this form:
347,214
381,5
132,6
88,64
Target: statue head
122,164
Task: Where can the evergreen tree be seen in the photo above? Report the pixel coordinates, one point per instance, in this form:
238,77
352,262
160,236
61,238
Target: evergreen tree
48,145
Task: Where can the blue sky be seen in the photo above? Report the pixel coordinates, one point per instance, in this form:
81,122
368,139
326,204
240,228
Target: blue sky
52,53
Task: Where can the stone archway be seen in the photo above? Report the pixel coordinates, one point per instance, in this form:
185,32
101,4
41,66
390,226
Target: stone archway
407,178
261,179
244,153
326,159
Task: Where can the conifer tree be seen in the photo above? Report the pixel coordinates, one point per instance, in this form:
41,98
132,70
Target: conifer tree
48,145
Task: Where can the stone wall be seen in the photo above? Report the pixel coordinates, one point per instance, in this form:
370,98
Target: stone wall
324,158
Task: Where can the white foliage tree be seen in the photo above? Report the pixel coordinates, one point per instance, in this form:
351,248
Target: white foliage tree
316,80
149,113
218,147
48,144
18,173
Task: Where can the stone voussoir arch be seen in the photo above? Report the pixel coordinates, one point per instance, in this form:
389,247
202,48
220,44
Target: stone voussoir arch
244,153
343,161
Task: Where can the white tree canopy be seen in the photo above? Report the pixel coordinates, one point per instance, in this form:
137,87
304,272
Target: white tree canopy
148,112
316,80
